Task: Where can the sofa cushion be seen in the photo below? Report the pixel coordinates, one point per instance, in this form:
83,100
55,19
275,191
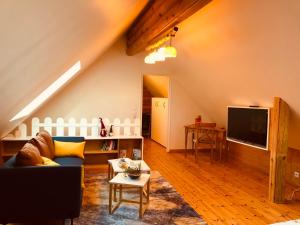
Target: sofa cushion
48,138
65,149
68,138
69,161
48,162
42,146
29,155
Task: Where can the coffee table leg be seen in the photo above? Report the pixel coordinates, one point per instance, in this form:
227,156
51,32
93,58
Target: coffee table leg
115,189
120,193
148,190
109,172
115,192
141,202
110,198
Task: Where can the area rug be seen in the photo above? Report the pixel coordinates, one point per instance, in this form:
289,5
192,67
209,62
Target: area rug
166,205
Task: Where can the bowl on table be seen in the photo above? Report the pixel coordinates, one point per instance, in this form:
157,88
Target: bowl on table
133,172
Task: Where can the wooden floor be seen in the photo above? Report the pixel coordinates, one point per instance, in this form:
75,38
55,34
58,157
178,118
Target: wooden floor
221,193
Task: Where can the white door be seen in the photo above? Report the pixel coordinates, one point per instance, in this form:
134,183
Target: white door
159,120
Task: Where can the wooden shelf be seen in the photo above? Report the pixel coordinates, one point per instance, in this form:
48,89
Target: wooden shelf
16,138
95,152
93,145
86,138
8,154
113,137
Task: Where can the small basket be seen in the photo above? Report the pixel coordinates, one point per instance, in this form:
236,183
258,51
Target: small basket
134,172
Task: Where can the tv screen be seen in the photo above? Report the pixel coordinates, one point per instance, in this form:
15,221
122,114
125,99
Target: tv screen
248,125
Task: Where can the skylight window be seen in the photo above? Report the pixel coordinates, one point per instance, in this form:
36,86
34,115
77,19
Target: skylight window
48,91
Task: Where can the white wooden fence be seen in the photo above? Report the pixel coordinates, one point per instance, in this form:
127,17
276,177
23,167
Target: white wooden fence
81,128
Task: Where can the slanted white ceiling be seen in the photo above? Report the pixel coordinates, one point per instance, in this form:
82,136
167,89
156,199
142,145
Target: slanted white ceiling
158,86
40,40
241,53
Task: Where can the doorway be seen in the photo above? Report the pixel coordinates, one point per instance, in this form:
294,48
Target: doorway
155,110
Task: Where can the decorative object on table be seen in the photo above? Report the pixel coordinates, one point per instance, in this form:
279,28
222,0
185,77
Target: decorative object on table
134,170
123,164
111,133
136,154
103,131
198,119
123,153
114,166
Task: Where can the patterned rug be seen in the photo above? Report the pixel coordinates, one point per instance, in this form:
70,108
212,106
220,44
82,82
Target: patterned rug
166,205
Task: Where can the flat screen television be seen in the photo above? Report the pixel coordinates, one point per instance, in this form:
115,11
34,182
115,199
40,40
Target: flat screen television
249,126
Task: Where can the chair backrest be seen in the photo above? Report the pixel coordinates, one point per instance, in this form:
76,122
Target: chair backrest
206,134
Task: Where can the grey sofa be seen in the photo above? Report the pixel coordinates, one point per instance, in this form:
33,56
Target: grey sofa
38,193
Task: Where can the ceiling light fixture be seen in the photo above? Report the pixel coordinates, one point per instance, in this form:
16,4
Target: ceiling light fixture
161,53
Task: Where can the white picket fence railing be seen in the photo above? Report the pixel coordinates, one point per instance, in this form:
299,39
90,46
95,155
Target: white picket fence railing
83,128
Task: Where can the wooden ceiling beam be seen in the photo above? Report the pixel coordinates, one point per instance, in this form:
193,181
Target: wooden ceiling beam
158,18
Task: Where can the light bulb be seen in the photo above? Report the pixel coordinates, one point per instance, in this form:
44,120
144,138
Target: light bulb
170,52
159,56
149,60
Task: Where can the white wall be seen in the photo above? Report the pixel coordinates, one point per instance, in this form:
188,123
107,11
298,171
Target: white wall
241,53
183,110
158,86
40,40
112,87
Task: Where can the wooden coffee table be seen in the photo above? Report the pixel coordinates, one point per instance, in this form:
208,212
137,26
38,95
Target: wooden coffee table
121,179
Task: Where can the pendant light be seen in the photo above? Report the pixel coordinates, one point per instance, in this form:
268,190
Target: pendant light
164,52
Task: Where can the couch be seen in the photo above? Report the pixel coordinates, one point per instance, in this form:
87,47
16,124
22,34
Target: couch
39,193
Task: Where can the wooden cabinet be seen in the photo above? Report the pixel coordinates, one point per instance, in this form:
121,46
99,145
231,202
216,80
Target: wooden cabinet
94,148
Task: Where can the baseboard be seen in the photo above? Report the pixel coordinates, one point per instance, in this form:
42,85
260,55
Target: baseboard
179,150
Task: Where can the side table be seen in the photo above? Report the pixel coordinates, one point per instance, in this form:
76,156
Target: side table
114,168
120,179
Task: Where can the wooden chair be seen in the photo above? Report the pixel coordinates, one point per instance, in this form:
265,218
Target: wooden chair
205,139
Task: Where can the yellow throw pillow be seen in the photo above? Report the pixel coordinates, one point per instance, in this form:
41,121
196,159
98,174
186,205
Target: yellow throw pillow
65,149
48,162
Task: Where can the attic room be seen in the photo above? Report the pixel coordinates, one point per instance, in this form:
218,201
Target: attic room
150,112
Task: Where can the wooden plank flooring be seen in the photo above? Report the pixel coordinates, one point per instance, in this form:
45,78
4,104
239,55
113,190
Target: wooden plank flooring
222,193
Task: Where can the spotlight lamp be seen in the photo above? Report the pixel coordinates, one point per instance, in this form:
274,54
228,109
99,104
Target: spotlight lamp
161,50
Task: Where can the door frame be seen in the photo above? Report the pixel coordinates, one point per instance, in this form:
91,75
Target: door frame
169,105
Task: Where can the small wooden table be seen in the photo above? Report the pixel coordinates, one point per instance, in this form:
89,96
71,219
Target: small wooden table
194,128
114,168
120,179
